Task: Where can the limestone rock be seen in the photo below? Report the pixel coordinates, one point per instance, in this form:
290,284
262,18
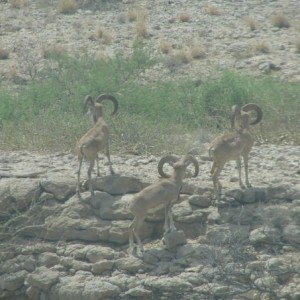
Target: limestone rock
130,264
60,187
264,235
102,266
291,233
173,239
118,184
18,194
202,201
13,281
43,278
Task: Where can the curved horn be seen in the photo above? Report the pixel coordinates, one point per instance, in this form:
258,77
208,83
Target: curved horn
257,109
190,159
234,111
103,97
88,102
170,159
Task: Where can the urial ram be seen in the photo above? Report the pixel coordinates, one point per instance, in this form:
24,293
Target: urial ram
96,139
162,194
233,146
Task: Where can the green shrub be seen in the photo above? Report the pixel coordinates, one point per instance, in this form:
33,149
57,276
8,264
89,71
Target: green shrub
47,113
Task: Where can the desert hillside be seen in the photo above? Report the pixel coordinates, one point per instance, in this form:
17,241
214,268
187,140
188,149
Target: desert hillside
194,37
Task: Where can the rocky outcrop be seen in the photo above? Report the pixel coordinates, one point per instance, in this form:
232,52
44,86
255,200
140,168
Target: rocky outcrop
55,247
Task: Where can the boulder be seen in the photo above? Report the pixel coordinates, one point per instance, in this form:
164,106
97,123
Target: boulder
60,187
291,233
18,194
43,278
118,184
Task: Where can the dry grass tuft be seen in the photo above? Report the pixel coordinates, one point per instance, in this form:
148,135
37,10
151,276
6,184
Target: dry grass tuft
251,23
141,29
132,15
198,52
261,47
280,21
212,10
103,56
183,56
107,38
184,16
99,33
53,51
67,6
165,46
18,3
13,72
3,53
104,35
136,15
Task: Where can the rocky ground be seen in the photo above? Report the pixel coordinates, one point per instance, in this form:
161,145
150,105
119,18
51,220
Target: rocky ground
194,37
57,247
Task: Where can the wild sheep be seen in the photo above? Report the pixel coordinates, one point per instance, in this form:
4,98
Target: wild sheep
96,139
159,195
233,146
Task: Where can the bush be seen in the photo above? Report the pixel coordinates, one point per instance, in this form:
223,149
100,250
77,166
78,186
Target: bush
47,113
67,6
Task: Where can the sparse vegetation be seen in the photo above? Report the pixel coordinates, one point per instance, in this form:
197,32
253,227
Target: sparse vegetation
104,35
198,52
280,21
141,29
251,23
165,46
18,3
184,16
136,15
151,116
183,55
67,6
53,51
212,10
261,46
132,15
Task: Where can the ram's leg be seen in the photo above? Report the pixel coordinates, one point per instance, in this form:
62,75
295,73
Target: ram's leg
166,225
248,184
213,168
109,160
78,178
98,169
171,221
136,231
239,167
216,182
131,230
90,169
